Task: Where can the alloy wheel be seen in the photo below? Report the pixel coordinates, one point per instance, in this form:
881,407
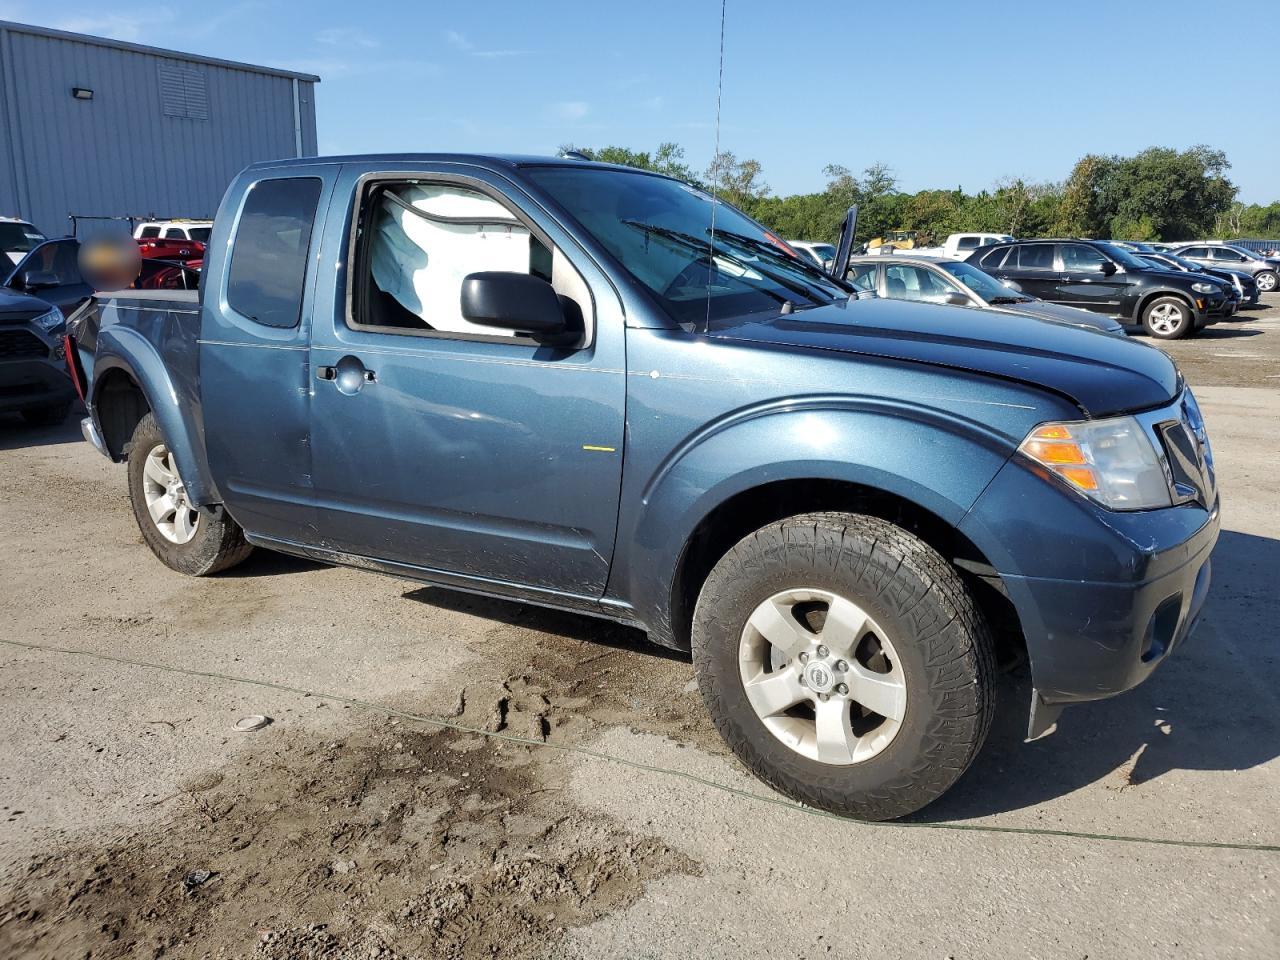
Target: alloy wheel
822,676
1166,318
166,497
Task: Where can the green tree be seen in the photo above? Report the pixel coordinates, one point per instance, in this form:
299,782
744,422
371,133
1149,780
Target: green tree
738,181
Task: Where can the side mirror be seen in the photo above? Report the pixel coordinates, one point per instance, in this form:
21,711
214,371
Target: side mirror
512,301
38,279
1013,285
1107,268
956,298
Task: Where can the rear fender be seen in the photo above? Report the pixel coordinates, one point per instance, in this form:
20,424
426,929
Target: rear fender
172,404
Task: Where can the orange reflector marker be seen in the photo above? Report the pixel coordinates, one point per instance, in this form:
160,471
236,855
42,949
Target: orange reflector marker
1053,431
1054,453
1082,477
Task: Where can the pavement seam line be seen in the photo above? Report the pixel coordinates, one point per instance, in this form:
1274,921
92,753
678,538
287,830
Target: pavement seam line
650,768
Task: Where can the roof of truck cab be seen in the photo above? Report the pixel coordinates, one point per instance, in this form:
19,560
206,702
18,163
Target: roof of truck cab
492,160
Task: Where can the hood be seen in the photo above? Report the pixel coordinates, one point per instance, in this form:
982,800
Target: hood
19,308
1102,374
1059,313
1166,274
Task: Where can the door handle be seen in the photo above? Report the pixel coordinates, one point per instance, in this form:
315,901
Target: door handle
348,375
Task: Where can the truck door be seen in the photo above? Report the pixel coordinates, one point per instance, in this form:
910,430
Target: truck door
1034,269
1089,279
255,323
51,272
452,448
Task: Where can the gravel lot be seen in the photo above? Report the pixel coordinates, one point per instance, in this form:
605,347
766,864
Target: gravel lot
134,822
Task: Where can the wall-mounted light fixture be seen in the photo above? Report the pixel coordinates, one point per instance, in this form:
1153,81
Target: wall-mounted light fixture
82,93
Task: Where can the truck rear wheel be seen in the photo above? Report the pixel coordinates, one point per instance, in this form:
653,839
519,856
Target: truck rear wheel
845,663
189,540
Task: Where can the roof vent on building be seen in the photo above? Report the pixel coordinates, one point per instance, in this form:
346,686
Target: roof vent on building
182,93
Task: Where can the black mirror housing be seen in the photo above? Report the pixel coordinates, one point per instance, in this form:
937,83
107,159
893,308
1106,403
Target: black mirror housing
1108,268
38,279
513,301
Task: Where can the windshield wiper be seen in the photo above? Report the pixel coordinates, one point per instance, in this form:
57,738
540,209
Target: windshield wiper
690,242
777,253
1010,300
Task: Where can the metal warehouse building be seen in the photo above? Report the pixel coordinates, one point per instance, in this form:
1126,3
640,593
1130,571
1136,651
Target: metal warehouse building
106,128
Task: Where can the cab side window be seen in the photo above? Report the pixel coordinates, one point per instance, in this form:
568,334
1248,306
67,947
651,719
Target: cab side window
995,258
416,243
904,282
862,276
269,253
149,233
1224,255
1036,256
1076,256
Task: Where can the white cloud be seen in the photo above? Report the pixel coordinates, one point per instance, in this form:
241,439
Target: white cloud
571,109
115,26
461,43
343,36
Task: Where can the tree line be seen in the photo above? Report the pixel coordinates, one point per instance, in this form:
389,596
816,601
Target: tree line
1158,194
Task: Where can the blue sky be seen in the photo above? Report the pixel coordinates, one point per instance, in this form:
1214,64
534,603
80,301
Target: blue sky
946,93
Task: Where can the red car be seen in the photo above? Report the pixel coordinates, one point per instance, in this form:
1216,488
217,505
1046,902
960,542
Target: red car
153,248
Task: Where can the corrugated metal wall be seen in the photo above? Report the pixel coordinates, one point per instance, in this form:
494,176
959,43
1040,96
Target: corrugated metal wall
140,146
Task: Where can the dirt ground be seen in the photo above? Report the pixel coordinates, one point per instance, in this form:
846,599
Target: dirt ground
445,776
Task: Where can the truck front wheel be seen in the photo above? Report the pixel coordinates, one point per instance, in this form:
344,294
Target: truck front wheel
845,663
189,540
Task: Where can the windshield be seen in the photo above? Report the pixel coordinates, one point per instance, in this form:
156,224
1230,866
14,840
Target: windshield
660,232
200,234
19,237
1122,256
984,285
824,250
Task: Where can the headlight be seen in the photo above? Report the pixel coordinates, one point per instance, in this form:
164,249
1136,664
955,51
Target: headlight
1202,287
1110,461
49,321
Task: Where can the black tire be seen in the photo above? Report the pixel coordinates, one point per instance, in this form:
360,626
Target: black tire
49,416
218,543
943,644
1151,312
1266,280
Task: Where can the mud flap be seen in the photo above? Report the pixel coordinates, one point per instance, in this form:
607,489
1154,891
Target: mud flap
1044,717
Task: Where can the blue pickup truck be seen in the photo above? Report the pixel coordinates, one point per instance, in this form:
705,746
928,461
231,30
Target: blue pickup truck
597,389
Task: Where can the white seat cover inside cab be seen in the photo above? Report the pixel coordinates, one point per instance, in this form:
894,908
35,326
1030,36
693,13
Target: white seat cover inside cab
422,260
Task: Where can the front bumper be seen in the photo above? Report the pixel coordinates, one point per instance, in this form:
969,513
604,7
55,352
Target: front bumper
32,377
1210,308
1115,595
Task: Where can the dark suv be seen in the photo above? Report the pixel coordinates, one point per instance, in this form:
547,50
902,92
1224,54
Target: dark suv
1108,279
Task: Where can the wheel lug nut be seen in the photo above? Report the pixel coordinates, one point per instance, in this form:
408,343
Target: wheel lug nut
804,658
824,697
842,689
823,651
842,666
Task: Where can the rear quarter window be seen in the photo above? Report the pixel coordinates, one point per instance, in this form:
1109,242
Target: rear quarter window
269,252
995,258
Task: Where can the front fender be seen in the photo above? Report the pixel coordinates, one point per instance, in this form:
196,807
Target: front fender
938,460
171,399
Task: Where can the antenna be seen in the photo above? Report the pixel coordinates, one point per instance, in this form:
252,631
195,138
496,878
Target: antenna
715,171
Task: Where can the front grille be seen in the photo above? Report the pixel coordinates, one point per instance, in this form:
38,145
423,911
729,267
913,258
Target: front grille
1187,453
21,345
